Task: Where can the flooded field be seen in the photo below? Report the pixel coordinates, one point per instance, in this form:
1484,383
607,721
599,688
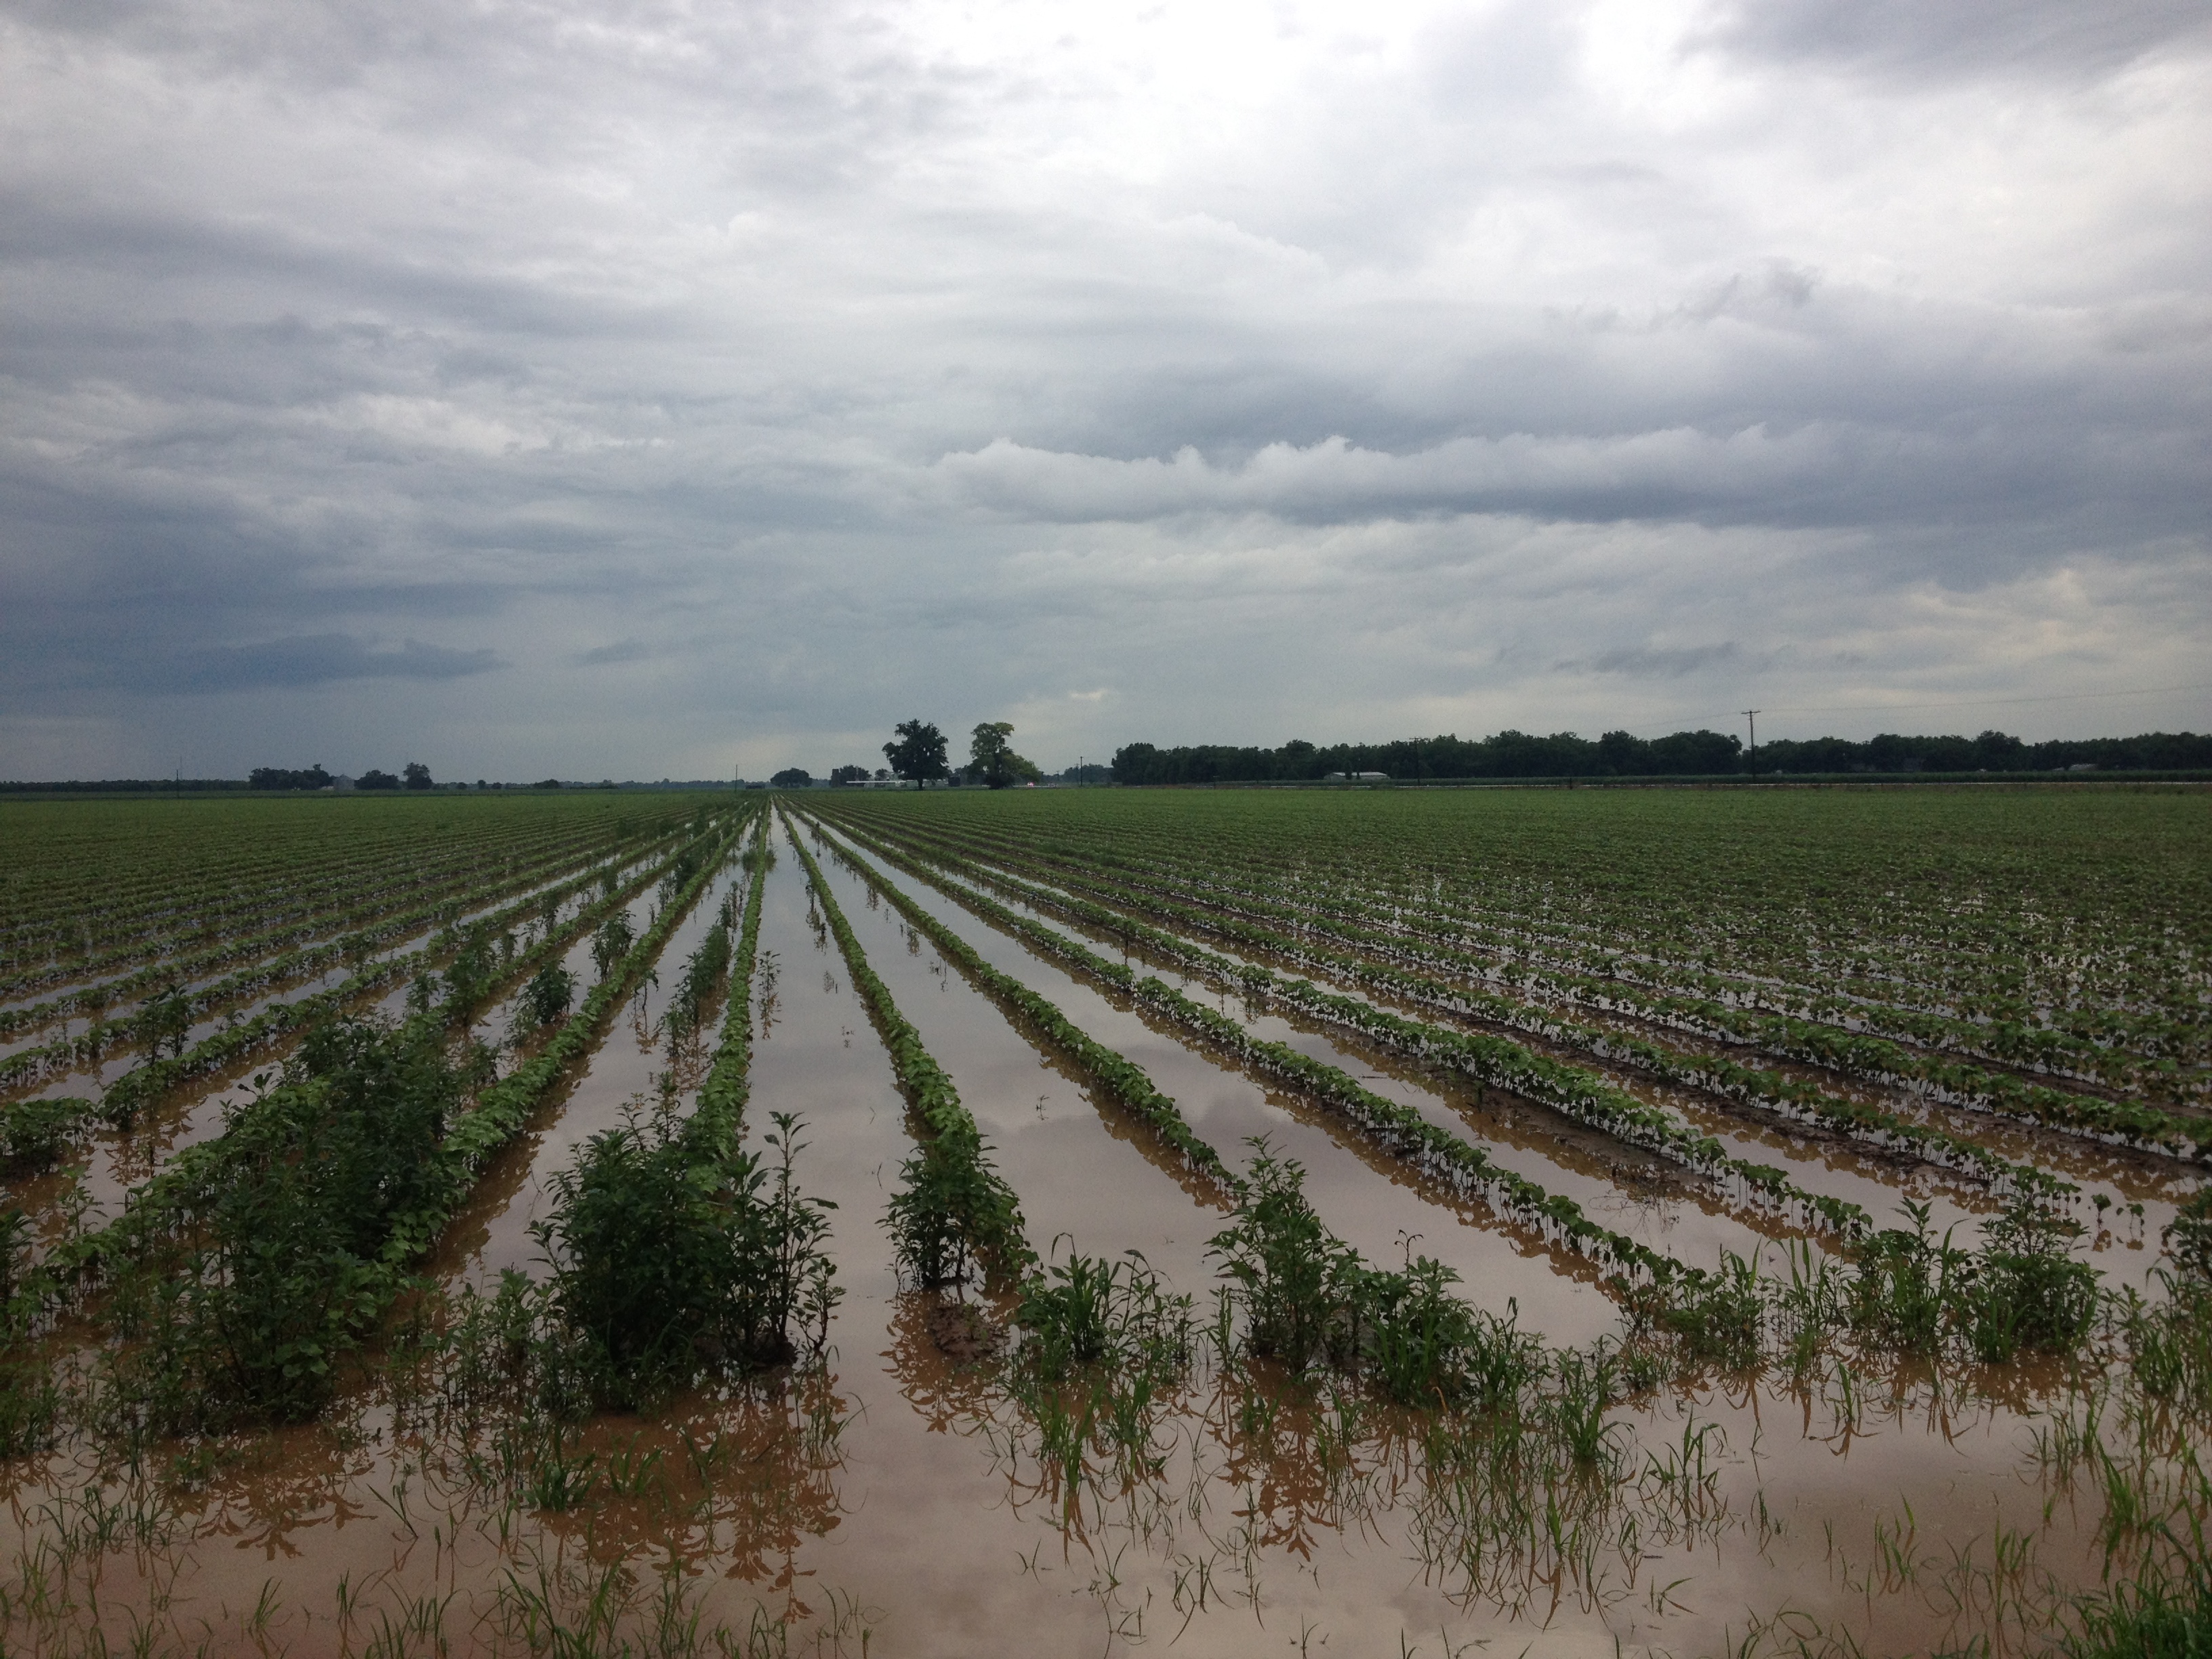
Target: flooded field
968,1224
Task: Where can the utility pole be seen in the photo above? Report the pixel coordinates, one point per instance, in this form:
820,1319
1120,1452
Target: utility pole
1751,715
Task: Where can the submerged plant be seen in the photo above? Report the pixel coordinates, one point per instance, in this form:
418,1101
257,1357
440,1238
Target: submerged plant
1299,1284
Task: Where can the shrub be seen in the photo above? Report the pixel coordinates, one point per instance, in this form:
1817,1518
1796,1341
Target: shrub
546,998
259,1272
1299,1283
2029,1291
1903,1283
950,1205
669,1264
613,942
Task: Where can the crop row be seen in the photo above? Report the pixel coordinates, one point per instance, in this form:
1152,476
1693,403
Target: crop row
2049,905
33,1133
1748,1085
1896,1291
167,962
1301,1296
1397,1130
1872,1059
1491,1061
256,1258
185,888
955,1204
178,1010
1606,973
1756,1086
2105,1046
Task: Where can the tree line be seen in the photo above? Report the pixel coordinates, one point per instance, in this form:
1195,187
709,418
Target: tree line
1681,754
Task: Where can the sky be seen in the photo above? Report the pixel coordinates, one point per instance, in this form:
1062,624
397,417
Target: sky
651,388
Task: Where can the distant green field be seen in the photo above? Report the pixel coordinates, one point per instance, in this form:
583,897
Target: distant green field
74,869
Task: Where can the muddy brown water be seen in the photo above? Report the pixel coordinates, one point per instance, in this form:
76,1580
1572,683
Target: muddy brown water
1375,1203
895,1505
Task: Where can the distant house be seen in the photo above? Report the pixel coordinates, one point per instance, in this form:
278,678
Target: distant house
341,785
1370,777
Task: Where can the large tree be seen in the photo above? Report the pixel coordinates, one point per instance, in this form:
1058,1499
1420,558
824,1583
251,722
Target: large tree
919,754
993,761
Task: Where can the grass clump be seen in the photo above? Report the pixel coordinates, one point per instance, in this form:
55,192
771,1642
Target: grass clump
2160,1616
1087,1311
1914,1293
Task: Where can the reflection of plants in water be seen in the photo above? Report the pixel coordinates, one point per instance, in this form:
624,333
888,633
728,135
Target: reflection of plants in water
611,1533
770,967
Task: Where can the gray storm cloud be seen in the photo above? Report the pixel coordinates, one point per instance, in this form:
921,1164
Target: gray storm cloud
648,389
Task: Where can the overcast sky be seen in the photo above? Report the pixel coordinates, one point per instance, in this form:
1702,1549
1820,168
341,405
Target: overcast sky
640,388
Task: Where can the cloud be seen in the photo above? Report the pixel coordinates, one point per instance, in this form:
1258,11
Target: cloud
1657,662
631,650
1295,366
309,660
1922,40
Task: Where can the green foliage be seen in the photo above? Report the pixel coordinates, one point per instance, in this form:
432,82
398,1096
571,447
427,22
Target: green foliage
15,1244
992,759
1912,1292
34,1133
164,1023
2160,1616
952,1210
2028,1292
1903,1283
1299,1283
256,1269
1309,1301
546,998
1721,1317
613,942
2190,1235
917,752
669,1265
949,1207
